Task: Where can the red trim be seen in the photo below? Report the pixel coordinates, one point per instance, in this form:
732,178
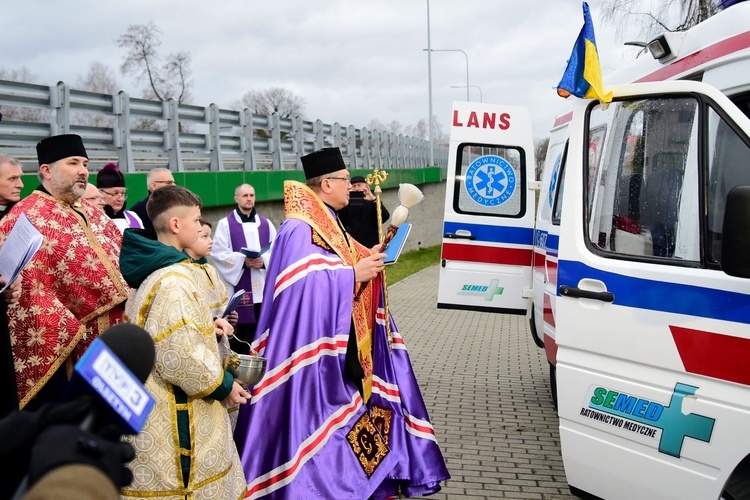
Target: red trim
552,271
549,315
332,345
562,119
304,451
713,354
490,255
550,348
391,392
418,427
302,267
702,56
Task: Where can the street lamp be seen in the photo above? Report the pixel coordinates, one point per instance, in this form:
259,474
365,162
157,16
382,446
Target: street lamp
472,86
467,65
429,84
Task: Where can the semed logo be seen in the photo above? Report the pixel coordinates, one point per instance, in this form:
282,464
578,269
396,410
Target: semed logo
490,180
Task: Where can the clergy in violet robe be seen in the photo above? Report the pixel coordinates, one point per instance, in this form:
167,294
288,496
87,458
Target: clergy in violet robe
244,228
338,413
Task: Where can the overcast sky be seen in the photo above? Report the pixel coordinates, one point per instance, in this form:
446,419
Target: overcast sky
352,61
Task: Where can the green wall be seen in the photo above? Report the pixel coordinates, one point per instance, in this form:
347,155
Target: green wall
217,188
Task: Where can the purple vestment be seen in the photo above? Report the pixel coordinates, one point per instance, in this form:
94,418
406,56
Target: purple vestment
246,308
300,434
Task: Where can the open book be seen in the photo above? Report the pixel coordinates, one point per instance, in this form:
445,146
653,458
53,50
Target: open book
254,254
233,302
393,251
19,248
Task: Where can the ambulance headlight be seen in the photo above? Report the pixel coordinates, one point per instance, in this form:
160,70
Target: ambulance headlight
659,47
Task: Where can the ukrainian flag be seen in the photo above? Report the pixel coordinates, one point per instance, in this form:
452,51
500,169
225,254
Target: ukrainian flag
583,76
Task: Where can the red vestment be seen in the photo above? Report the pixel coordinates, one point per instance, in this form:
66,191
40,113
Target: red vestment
72,288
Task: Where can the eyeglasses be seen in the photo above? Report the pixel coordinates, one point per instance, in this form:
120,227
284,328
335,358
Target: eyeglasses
115,195
347,179
168,183
95,199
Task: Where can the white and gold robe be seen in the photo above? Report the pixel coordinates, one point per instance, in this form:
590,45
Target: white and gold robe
170,306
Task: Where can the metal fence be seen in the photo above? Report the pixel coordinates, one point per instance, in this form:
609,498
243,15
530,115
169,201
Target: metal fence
141,134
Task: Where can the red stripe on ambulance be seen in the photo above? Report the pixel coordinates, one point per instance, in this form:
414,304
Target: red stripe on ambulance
487,254
713,354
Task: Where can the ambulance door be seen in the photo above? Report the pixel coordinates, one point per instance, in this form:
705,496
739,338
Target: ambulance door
653,337
489,210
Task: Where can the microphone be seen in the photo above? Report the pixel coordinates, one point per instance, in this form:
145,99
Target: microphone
114,369
111,373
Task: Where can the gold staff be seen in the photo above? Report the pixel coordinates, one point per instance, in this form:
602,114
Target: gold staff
375,179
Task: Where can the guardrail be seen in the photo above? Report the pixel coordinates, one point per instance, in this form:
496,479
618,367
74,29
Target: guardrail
188,137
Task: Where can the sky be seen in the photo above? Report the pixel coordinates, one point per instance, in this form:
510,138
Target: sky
351,61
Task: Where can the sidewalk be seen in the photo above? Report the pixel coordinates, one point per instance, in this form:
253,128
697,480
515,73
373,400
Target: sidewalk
486,387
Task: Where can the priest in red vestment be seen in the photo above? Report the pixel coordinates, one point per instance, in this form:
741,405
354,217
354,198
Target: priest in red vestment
72,289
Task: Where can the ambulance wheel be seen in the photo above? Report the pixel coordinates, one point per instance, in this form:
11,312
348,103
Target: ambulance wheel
553,383
738,485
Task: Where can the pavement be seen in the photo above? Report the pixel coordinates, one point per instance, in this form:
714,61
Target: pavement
486,387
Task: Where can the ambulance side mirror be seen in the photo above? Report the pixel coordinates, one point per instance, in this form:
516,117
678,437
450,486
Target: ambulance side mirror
735,245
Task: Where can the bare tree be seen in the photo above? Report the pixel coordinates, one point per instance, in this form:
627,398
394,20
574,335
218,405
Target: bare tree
421,129
669,15
163,81
540,153
394,127
100,79
273,100
376,125
267,102
22,113
438,135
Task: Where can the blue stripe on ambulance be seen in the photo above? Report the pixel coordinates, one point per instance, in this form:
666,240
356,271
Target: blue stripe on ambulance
492,233
661,296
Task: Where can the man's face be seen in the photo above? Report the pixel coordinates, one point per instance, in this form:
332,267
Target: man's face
338,189
94,196
67,178
115,197
245,199
204,243
159,180
10,183
360,186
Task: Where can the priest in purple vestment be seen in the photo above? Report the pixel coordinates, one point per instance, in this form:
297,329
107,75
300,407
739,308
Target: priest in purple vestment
338,413
241,253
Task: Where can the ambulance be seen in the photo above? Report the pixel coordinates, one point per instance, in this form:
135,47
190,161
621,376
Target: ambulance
634,265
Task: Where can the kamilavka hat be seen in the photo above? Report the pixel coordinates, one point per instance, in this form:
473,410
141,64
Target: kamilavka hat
57,147
324,161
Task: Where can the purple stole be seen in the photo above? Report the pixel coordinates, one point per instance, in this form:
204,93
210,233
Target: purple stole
246,309
132,221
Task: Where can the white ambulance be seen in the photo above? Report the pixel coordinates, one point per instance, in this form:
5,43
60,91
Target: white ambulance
636,268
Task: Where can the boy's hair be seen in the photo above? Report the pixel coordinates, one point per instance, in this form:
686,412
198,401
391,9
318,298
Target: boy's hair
167,198
205,222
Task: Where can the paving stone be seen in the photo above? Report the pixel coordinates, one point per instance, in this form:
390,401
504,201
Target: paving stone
486,387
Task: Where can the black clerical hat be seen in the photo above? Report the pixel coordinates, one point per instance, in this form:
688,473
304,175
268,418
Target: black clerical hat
325,161
110,177
57,147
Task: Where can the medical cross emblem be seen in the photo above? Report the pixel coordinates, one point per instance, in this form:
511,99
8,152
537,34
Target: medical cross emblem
493,290
676,426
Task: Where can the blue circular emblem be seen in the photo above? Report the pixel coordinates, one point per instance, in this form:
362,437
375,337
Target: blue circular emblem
553,181
490,180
